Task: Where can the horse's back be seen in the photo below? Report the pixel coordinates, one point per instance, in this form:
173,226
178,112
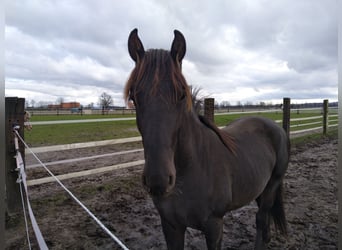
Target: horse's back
260,145
260,131
258,127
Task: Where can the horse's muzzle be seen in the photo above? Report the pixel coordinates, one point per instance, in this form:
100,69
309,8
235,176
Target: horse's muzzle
158,186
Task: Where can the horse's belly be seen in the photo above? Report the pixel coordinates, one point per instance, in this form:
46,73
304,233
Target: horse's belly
249,183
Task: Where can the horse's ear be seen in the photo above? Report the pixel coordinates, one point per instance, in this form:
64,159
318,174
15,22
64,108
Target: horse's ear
135,46
178,47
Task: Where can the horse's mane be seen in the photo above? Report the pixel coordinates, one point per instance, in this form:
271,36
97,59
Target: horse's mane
224,136
156,66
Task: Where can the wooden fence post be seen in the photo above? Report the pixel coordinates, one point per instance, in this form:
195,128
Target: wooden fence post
325,116
14,115
209,108
286,114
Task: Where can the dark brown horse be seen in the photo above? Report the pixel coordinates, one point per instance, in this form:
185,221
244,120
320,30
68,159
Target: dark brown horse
194,171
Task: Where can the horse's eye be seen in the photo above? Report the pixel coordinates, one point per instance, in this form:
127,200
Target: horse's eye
131,97
182,96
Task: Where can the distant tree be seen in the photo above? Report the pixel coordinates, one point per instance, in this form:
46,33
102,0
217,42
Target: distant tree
249,104
33,102
59,100
105,100
43,104
225,104
90,105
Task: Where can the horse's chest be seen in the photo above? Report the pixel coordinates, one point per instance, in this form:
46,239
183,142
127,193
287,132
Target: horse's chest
187,210
194,212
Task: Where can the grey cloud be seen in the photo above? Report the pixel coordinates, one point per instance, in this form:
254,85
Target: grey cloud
230,44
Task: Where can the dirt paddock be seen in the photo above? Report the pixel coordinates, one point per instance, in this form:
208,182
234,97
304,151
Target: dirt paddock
118,200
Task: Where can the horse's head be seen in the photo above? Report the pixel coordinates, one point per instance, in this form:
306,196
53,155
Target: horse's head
162,98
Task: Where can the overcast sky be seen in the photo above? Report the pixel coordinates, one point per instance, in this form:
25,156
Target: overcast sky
245,50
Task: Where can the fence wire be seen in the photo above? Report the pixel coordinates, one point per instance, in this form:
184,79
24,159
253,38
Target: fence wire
23,176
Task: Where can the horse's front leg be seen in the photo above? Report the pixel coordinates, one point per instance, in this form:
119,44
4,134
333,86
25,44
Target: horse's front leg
174,235
213,233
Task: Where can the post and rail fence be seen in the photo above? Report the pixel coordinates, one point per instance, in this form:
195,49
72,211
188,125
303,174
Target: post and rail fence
15,173
14,117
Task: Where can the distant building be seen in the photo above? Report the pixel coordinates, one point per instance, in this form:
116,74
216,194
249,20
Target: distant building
65,105
68,105
54,106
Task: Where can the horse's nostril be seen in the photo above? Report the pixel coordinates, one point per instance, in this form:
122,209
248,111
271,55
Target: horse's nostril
144,180
170,180
155,185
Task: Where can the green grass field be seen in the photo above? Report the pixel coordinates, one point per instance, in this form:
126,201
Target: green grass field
44,135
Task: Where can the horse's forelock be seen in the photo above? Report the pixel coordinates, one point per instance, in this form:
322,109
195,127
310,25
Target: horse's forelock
157,66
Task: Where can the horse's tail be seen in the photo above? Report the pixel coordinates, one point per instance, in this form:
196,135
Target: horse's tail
277,211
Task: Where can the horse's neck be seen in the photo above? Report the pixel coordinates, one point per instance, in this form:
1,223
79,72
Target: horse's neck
194,139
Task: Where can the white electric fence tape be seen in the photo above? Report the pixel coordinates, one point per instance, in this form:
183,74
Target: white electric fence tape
22,177
24,210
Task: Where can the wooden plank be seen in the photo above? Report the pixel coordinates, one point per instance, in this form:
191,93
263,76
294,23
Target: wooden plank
305,124
83,145
82,121
121,140
84,173
305,130
84,158
249,112
298,132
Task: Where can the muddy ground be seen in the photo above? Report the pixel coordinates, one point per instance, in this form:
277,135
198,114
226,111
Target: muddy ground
119,201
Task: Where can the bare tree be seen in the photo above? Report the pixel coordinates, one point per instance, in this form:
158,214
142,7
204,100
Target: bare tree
105,100
225,104
59,100
90,105
33,102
